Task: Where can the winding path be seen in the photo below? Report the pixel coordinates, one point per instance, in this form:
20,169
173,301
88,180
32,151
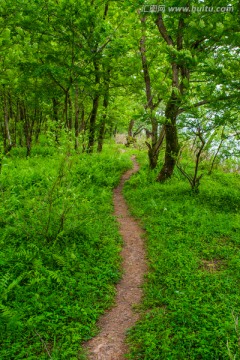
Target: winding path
110,343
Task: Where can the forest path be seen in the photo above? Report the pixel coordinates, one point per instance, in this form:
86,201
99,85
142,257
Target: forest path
110,343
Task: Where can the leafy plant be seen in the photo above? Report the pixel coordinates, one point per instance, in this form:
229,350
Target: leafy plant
191,291
59,251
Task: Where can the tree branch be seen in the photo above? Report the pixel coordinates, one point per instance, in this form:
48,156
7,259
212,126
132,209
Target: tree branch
163,31
180,33
204,102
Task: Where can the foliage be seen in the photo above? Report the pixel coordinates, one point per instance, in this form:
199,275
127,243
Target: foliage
59,251
191,304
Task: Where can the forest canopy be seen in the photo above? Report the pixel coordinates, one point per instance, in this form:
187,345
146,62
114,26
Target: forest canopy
91,68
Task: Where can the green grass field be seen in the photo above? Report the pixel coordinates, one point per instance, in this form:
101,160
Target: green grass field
192,292
59,251
59,258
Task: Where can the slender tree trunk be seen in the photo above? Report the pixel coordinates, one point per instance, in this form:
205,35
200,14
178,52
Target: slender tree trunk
172,146
82,130
7,136
130,132
216,154
105,107
19,124
93,117
180,75
156,139
153,151
70,125
28,128
130,128
11,117
76,124
16,119
101,133
92,124
65,111
56,118
171,153
102,125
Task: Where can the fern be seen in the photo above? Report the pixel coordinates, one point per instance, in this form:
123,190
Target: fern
7,288
7,311
55,275
4,281
59,260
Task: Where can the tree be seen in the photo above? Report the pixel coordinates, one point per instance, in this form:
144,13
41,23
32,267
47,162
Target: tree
192,42
157,136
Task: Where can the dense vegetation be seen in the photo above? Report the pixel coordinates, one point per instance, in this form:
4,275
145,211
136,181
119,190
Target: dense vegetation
191,305
59,251
93,67
73,74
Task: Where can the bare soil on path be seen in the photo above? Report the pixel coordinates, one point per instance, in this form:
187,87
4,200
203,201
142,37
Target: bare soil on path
110,343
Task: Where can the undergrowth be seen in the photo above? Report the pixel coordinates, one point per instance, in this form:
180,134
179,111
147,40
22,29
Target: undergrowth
59,251
191,305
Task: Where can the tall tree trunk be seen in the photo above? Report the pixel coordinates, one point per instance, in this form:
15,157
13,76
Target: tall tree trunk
70,125
93,117
102,124
76,124
65,111
82,129
105,107
130,132
154,149
7,136
28,128
11,117
92,124
56,119
101,133
171,152
180,75
172,146
19,124
156,139
16,119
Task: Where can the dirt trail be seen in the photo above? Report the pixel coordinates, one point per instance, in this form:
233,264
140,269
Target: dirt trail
109,344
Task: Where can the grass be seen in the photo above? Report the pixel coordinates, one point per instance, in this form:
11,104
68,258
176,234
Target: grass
59,251
192,292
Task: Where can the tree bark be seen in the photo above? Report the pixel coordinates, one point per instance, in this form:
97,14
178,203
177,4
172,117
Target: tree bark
130,133
65,111
172,146
7,136
173,105
102,124
105,107
93,117
92,123
153,151
76,123
28,128
156,139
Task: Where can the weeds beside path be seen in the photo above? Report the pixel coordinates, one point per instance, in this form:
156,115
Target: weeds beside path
191,302
110,343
